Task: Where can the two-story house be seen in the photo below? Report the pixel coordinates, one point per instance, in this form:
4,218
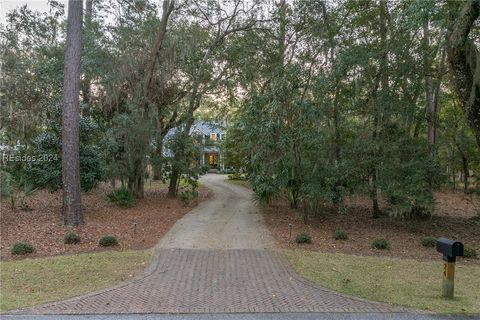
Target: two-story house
209,135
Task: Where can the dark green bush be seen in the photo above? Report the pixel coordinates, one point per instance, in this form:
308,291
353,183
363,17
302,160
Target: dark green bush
340,234
71,238
469,252
187,196
108,241
429,242
48,173
22,248
303,238
123,197
381,244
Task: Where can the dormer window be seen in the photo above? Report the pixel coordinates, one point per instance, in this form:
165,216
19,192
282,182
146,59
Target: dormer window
213,136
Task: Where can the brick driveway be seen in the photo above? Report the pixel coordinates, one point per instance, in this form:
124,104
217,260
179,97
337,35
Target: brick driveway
215,281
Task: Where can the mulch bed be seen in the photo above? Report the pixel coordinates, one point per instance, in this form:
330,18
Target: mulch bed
455,217
42,225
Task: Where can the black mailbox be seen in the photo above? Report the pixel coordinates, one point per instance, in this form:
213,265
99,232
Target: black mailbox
450,249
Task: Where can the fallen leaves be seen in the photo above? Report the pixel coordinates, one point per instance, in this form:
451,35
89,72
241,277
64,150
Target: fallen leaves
43,225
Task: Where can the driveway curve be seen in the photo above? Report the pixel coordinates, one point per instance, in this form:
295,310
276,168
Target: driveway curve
214,260
229,220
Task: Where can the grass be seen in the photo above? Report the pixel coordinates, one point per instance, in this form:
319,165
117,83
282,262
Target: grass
31,282
243,183
405,282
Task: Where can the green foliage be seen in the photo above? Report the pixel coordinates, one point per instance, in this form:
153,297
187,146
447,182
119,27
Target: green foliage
188,189
381,244
15,184
407,178
469,252
457,146
203,170
126,147
235,151
340,234
343,130
336,108
236,176
21,248
32,55
185,152
303,237
71,238
429,242
187,196
108,241
46,171
122,196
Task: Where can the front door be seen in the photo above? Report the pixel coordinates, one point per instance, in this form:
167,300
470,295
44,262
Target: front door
212,160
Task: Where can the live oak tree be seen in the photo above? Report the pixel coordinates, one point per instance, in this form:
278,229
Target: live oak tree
324,99
72,209
207,68
464,57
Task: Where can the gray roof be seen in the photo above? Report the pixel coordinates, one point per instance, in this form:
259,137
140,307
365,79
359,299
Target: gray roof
206,128
200,127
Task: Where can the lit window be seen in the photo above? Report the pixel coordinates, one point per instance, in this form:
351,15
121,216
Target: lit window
213,136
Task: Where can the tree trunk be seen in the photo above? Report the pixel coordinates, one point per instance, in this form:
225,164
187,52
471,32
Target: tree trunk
168,6
378,115
453,179
466,173
175,175
86,83
374,196
158,165
172,186
465,170
464,62
72,210
430,106
140,188
282,32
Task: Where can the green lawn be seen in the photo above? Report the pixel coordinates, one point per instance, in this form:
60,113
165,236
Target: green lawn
35,281
404,282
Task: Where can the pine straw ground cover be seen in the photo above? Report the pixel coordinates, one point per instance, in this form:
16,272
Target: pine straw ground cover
42,224
455,217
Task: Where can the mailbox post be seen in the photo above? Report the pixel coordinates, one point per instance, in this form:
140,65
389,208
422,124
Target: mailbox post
451,250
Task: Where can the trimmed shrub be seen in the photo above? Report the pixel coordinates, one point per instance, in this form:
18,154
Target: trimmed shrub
340,234
71,238
22,248
123,197
188,196
469,252
303,238
429,242
381,244
108,241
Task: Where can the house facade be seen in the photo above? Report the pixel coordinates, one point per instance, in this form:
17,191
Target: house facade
210,136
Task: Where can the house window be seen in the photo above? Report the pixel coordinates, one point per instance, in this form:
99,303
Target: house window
213,136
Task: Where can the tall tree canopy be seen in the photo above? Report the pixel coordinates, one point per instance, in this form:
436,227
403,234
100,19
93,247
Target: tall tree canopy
321,99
